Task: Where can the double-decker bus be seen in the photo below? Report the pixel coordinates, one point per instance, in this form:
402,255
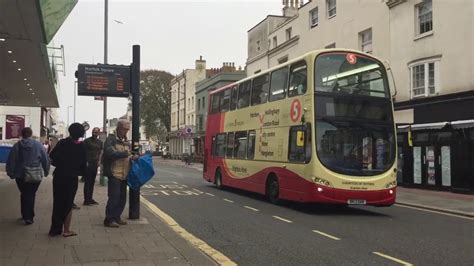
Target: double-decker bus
318,128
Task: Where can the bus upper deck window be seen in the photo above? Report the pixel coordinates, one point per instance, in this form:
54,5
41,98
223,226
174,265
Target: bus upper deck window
215,103
279,84
233,98
298,79
244,94
225,100
260,88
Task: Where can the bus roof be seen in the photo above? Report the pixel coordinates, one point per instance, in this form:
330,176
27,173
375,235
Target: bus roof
294,60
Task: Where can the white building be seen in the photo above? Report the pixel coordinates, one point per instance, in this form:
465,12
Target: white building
429,47
183,110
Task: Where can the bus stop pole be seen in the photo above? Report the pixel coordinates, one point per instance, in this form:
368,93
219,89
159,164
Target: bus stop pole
134,195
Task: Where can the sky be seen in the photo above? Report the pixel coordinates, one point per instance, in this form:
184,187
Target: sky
172,35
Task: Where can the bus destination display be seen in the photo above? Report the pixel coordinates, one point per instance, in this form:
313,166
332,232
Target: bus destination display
103,80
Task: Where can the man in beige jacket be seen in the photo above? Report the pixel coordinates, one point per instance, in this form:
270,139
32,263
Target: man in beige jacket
116,161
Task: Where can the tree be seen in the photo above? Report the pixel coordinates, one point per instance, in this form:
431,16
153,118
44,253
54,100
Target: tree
155,103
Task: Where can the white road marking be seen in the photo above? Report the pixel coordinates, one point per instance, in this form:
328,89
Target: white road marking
228,200
284,220
250,208
393,259
437,212
212,195
326,235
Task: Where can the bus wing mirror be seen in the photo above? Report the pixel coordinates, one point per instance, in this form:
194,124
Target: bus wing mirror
392,79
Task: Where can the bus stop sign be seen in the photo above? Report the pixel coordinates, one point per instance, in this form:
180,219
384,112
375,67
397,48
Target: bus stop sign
103,80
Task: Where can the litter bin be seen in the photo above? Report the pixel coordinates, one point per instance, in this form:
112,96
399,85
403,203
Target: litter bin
4,151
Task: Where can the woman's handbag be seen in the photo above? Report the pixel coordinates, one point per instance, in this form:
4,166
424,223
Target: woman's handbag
33,174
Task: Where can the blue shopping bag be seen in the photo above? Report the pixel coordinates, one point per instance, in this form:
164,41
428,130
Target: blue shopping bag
140,172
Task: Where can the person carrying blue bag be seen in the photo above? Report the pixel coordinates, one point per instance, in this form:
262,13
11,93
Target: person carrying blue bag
141,171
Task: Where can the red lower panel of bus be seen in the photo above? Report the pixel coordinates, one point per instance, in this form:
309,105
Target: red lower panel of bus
295,188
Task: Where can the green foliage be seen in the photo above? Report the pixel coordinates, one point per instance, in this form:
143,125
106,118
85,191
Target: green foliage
155,103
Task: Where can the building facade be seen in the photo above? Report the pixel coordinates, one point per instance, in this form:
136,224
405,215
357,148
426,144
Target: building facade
183,109
217,78
428,50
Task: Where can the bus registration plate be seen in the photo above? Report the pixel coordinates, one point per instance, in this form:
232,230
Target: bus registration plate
356,202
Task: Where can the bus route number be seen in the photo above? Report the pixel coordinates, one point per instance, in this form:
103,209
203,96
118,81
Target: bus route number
295,110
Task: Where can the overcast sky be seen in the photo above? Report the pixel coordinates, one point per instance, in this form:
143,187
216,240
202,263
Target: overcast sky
172,35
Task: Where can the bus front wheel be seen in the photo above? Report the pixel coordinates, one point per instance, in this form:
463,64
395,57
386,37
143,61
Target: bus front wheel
273,189
218,179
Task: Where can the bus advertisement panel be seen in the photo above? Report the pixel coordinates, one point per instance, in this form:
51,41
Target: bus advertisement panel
316,129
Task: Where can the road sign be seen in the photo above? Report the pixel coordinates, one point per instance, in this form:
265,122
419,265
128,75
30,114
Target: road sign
103,80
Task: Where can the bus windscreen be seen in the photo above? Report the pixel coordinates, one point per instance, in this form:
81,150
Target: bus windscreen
353,112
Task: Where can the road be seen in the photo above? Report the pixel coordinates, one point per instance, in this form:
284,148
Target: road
251,231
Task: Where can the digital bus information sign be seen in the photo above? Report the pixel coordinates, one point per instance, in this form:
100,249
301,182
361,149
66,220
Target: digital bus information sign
103,80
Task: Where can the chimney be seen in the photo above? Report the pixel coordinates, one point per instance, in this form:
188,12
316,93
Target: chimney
200,64
290,7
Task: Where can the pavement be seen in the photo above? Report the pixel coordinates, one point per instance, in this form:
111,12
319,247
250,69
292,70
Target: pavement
147,241
151,240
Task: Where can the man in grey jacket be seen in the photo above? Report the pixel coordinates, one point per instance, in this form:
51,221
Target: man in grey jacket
26,152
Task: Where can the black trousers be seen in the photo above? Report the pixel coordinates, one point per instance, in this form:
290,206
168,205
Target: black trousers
89,181
27,198
64,191
117,192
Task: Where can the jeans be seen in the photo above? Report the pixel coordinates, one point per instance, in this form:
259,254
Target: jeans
27,198
89,181
117,193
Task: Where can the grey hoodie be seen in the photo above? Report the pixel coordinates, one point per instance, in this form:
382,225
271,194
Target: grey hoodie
32,153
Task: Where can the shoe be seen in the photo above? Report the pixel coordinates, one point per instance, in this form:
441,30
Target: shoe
75,207
112,224
53,234
87,203
93,202
121,222
28,221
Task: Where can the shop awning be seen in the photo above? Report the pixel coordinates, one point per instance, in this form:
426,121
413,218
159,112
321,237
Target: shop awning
27,77
463,124
439,125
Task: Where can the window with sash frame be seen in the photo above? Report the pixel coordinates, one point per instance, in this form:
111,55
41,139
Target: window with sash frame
424,79
313,17
424,17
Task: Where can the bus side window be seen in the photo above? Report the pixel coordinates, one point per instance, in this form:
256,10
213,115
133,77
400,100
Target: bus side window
240,144
279,84
244,94
220,145
298,79
296,150
233,98
215,103
225,100
230,145
251,146
260,88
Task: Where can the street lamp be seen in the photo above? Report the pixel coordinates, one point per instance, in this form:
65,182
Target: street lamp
75,92
70,106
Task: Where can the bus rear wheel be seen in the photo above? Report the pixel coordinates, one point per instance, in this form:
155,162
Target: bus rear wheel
218,179
273,190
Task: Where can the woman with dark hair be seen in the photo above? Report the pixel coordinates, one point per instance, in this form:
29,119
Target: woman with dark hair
69,157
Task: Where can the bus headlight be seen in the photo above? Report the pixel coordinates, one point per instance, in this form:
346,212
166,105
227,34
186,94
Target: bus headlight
391,184
321,181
